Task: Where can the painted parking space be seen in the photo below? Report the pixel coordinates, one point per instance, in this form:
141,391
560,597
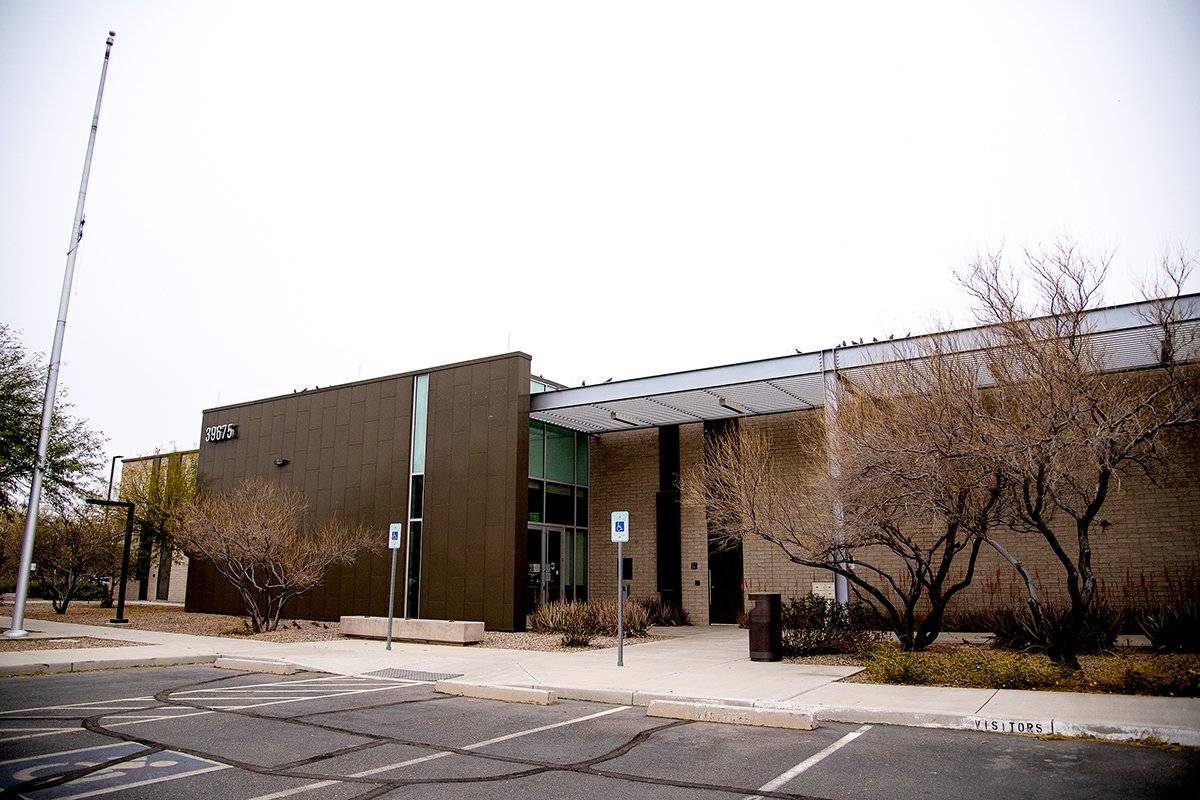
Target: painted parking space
238,697
48,765
249,737
147,770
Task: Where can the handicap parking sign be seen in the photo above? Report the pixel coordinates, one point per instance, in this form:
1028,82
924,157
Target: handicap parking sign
620,526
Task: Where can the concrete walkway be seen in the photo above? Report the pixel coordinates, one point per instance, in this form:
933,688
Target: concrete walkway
707,668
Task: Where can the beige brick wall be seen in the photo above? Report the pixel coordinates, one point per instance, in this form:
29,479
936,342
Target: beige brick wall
1147,552
693,531
624,477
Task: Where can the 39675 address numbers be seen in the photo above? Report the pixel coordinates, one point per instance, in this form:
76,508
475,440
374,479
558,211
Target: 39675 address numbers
220,433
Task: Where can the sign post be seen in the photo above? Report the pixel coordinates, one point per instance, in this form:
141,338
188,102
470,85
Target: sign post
394,540
620,535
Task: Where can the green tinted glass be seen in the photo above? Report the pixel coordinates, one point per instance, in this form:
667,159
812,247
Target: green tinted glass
420,422
581,459
537,433
560,455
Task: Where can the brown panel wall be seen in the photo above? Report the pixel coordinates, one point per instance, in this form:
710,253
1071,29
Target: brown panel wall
348,448
475,492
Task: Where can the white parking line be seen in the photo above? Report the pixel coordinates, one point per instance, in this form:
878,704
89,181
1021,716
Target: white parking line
161,713
44,732
811,761
96,705
443,754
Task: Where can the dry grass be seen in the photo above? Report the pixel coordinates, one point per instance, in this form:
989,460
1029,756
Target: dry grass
1123,671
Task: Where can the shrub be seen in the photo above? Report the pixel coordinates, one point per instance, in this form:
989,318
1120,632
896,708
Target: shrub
578,625
661,613
549,617
892,665
637,621
1174,628
580,621
814,625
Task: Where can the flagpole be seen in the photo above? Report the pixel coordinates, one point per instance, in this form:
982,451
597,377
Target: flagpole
39,463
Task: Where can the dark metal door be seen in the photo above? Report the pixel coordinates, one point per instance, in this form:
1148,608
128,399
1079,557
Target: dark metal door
725,585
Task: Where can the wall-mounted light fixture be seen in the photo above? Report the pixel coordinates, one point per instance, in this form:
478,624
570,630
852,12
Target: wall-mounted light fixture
737,408
281,462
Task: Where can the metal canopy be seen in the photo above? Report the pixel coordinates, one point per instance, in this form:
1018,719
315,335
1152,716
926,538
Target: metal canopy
797,382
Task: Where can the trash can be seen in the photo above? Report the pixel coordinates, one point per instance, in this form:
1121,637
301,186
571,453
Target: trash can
766,627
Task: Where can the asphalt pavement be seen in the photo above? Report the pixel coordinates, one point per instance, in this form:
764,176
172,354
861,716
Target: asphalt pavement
701,672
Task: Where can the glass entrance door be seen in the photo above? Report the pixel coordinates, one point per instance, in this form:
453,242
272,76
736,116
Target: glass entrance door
544,580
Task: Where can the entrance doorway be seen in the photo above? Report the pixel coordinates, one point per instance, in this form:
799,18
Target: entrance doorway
725,585
544,580
557,566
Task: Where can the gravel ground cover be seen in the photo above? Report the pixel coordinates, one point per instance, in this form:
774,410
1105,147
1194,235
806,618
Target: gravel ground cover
173,619
25,645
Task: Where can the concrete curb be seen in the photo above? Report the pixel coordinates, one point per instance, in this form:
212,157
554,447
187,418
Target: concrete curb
1010,725
616,697
793,718
1188,737
647,698
507,694
255,665
110,663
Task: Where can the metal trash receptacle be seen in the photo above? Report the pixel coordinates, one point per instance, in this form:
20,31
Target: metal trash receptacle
766,627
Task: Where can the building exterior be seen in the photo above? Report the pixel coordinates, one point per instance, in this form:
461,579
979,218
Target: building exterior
504,484
157,484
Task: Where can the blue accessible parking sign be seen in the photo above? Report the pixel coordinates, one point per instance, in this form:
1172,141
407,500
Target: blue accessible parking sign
620,526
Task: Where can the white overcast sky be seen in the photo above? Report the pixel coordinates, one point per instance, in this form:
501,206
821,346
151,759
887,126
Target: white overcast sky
287,195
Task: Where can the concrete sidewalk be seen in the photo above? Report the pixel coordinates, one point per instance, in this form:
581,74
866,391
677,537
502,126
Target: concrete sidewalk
696,673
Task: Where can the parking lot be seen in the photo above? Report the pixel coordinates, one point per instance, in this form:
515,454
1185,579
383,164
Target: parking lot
204,732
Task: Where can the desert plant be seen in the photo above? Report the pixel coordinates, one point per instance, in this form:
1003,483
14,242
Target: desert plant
1173,628
1018,629
582,620
578,625
636,622
548,618
668,614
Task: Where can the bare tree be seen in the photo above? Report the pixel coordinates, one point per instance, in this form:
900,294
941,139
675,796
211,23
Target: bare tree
73,548
904,509
1068,422
258,538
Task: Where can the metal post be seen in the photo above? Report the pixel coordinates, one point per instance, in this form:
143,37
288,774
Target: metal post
391,599
620,604
128,506
112,470
841,586
39,463
120,620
